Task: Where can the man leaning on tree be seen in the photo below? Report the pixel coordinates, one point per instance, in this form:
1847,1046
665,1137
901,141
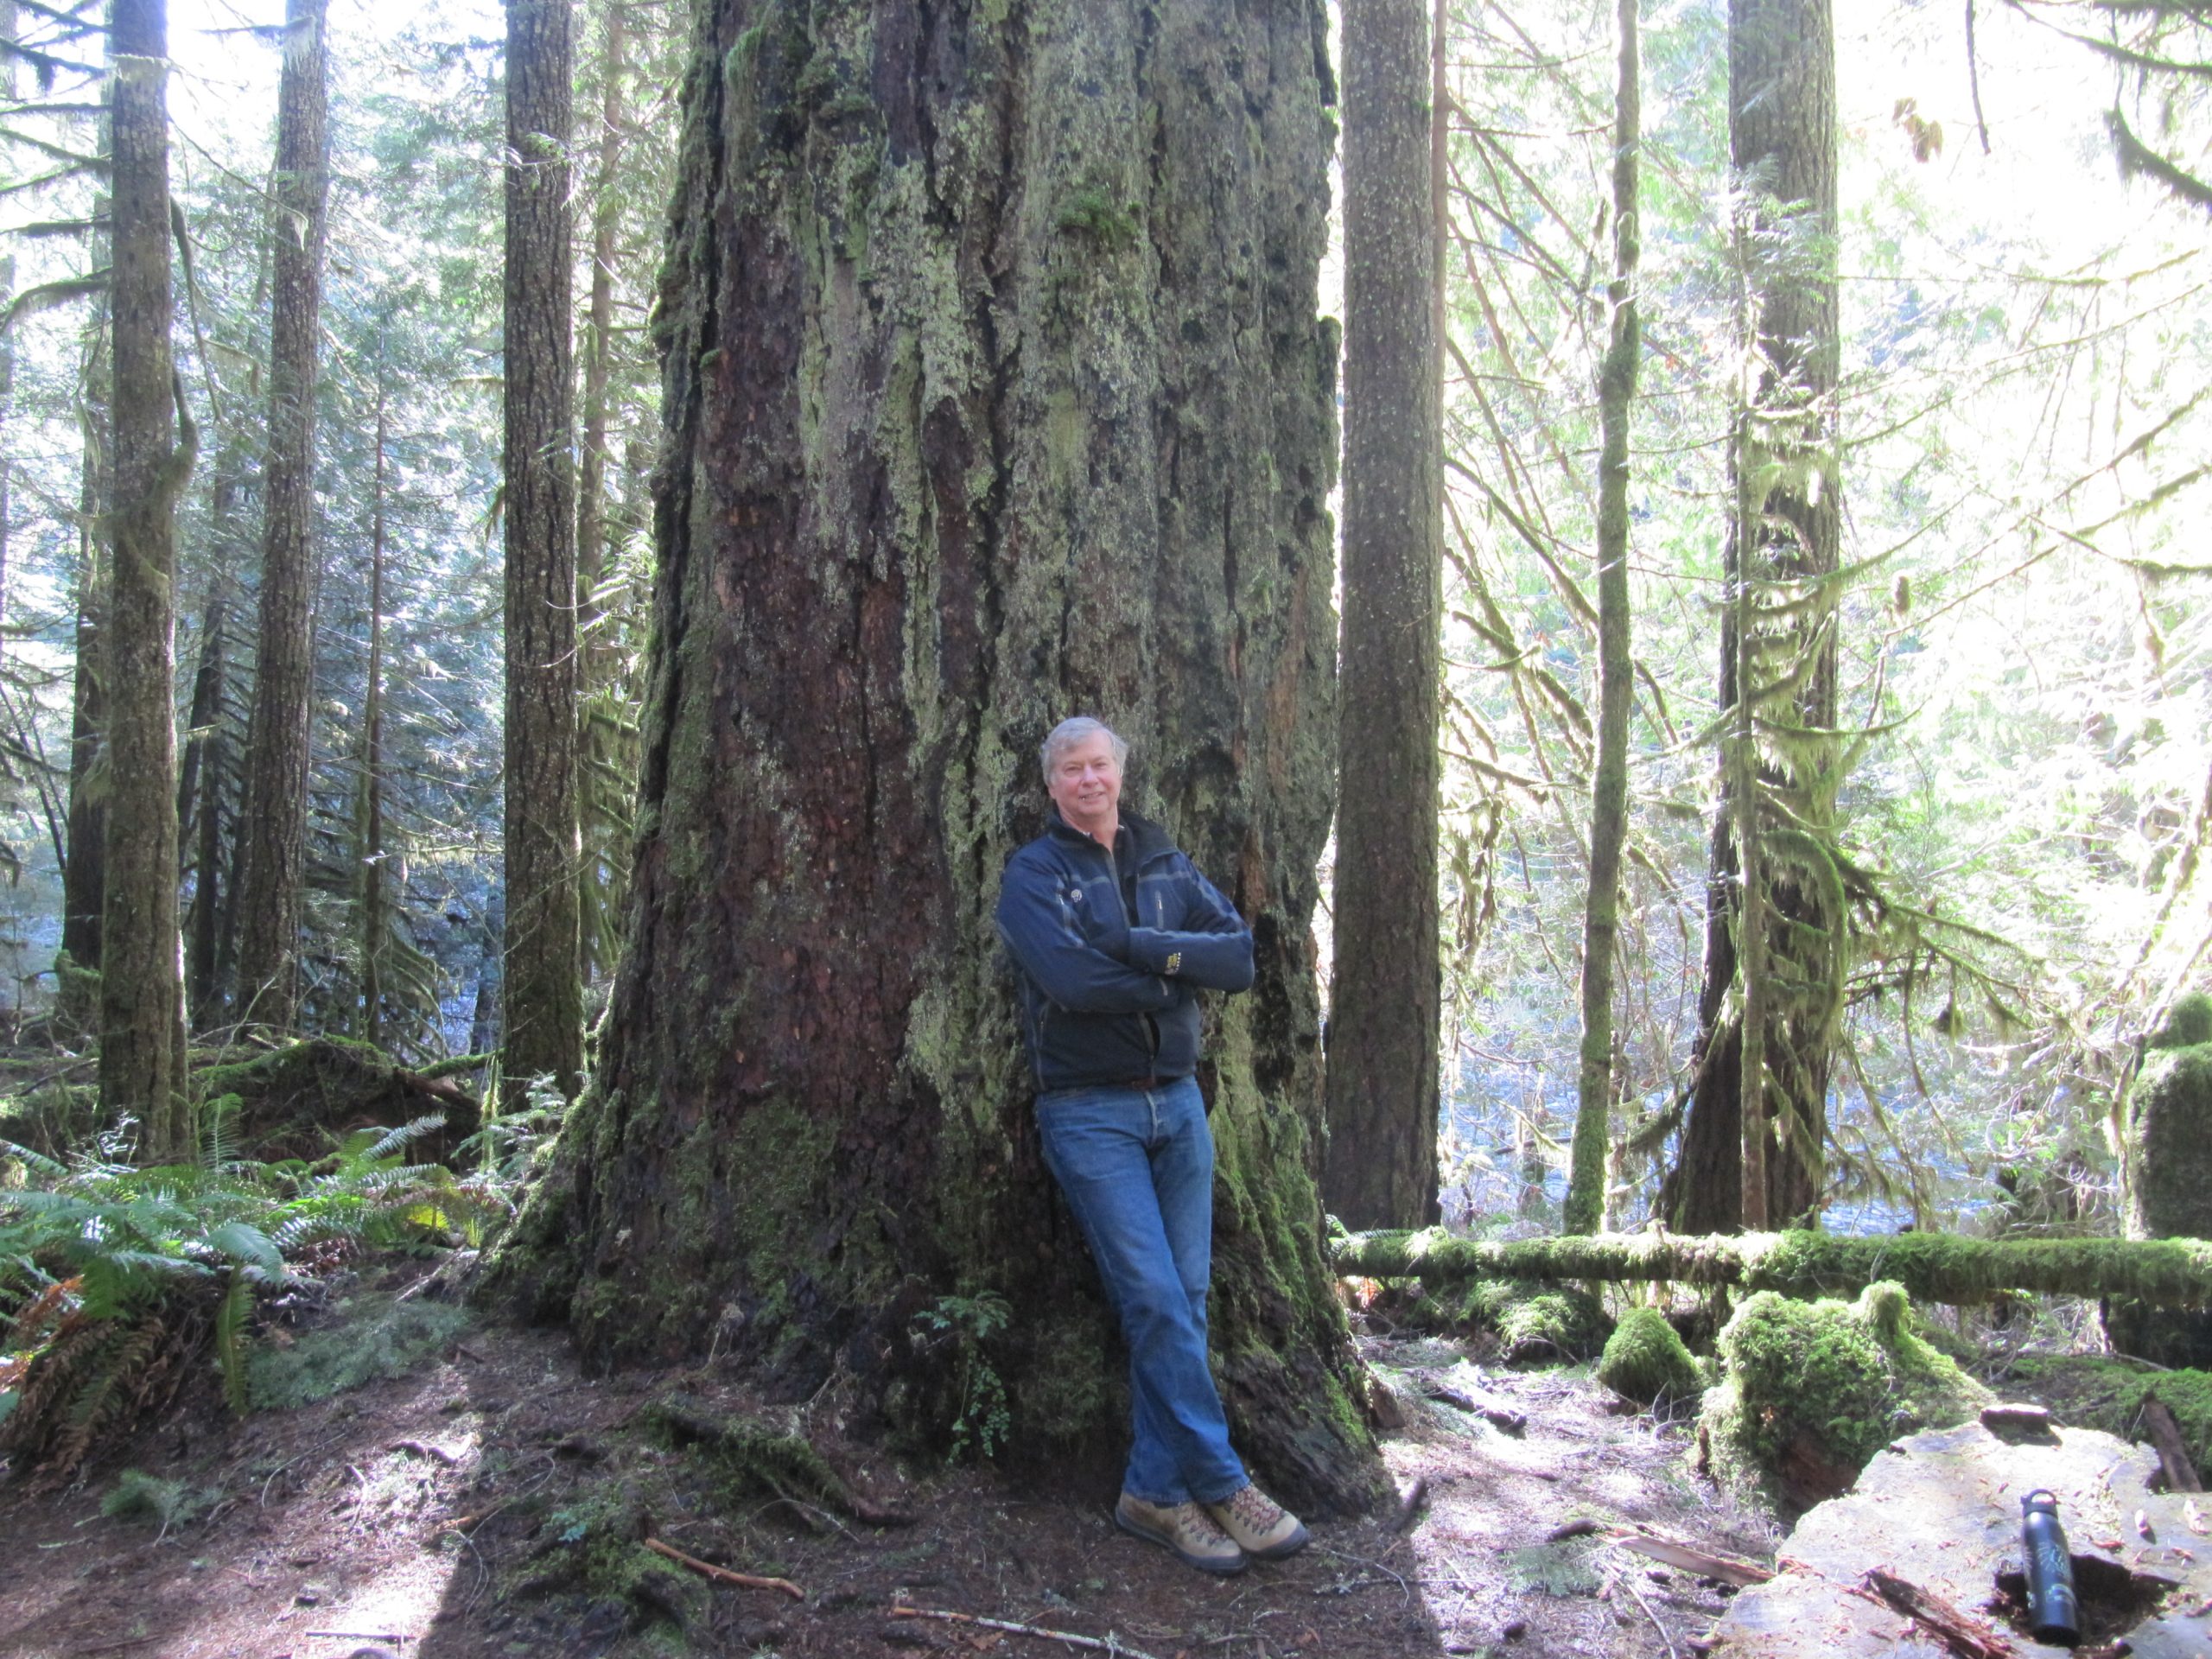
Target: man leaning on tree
1114,934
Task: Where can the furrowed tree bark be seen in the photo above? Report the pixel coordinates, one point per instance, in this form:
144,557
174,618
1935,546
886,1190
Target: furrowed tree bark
1385,982
994,391
142,990
273,820
544,974
1781,556
1932,1267
1586,1192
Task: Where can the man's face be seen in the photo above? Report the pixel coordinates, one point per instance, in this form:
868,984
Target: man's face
1086,784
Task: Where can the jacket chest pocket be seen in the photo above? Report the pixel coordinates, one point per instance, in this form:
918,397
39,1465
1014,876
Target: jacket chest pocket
1160,901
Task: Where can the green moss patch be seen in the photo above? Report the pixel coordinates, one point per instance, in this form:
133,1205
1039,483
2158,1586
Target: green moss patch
1645,1360
2089,1391
2188,1025
1811,1390
1538,1324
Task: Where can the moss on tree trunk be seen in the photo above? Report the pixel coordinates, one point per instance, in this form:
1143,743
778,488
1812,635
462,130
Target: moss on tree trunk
995,392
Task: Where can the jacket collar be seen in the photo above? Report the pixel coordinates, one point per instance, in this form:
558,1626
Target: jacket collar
1147,839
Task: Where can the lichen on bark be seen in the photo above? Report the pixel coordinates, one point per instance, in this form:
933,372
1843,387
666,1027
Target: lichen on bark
947,460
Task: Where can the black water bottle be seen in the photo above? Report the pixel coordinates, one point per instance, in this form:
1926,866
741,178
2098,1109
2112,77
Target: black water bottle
2054,1614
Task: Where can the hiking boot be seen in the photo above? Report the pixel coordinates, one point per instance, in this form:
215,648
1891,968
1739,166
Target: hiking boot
1183,1528
1262,1528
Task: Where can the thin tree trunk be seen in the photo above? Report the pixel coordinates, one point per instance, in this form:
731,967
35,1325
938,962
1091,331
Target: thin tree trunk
84,891
142,990
1782,551
201,803
543,978
1385,982
273,820
975,453
375,911
603,754
7,349
1586,1193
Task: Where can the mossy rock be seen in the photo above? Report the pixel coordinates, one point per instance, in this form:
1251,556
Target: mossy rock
2188,1024
1538,1324
300,1100
2091,1391
1811,1390
1645,1360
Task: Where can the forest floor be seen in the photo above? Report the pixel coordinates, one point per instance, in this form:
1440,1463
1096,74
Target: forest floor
449,1510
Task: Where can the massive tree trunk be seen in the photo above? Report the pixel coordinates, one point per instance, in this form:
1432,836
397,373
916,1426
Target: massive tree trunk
545,986
1385,985
1782,554
273,821
142,991
1586,1192
995,394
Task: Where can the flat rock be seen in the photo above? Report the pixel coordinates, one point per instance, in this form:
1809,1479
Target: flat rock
1942,1510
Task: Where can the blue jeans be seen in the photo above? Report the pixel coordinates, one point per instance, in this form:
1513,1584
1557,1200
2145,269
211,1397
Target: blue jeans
1137,1167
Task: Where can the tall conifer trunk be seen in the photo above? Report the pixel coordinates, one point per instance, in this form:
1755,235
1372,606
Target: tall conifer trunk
995,393
84,887
606,746
142,991
1385,985
273,820
375,901
544,974
1586,1195
1783,551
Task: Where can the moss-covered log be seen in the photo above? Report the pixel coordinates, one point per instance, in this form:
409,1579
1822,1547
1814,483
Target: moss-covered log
1932,1267
995,392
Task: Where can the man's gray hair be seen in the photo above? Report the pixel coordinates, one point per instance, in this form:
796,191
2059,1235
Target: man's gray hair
1076,730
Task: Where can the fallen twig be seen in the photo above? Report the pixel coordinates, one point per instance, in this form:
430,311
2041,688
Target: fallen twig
1111,1644
1969,1638
723,1574
424,1449
1653,1616
1706,1563
361,1636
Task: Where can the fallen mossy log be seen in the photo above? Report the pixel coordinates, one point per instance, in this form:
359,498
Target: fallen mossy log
1932,1267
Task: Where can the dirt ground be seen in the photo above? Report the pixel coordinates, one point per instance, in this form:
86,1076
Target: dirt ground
424,1515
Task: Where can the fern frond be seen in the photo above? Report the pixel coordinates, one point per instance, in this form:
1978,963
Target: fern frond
230,1340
